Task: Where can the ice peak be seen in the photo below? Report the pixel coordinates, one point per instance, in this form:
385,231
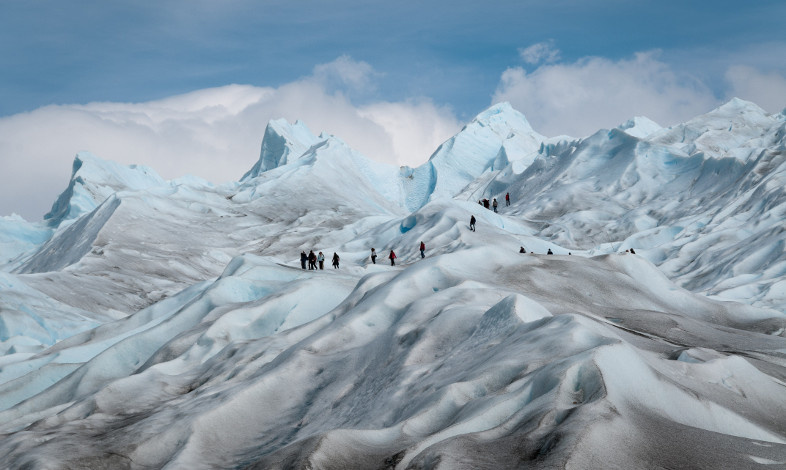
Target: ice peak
93,180
738,105
736,112
503,114
640,127
281,144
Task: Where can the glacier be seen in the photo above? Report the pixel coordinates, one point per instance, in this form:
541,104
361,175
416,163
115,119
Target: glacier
148,323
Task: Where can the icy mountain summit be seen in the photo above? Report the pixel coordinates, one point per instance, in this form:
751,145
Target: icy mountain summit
282,143
169,324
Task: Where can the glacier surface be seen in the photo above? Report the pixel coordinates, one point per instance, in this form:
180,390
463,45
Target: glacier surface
168,324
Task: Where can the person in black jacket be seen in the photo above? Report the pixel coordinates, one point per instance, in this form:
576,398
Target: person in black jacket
303,259
472,223
335,260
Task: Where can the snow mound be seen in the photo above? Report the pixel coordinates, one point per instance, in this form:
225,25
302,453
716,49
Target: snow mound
268,365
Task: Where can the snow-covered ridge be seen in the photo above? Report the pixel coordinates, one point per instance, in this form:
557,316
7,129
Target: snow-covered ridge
168,324
282,143
496,138
92,181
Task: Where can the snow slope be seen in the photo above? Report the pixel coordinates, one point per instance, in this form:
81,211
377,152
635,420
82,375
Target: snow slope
703,200
496,138
168,324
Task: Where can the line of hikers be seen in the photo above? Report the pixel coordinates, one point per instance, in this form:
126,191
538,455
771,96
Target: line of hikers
392,256
549,252
485,202
313,259
319,259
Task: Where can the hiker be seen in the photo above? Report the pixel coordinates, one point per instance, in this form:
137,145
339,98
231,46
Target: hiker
303,259
373,256
392,258
494,204
422,250
312,260
507,199
549,252
632,251
486,203
472,223
522,250
321,260
335,260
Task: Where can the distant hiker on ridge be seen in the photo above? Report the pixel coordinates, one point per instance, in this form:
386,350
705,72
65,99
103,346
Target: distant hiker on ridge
494,204
522,250
373,256
321,260
303,259
392,258
549,252
312,260
472,223
335,260
422,250
507,199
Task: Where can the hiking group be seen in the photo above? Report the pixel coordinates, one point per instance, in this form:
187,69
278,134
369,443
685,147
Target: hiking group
313,259
319,259
493,204
392,256
485,203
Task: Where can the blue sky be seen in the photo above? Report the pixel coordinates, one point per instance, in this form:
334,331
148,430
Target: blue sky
453,52
353,68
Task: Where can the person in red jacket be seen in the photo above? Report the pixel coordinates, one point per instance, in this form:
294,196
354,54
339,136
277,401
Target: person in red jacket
422,250
392,258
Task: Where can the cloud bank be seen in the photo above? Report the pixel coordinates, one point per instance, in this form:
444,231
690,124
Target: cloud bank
580,98
592,93
213,133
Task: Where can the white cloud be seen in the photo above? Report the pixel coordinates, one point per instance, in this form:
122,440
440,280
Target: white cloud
544,52
580,98
412,126
345,72
213,133
768,90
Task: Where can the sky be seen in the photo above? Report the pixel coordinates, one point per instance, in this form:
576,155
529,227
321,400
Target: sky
187,87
